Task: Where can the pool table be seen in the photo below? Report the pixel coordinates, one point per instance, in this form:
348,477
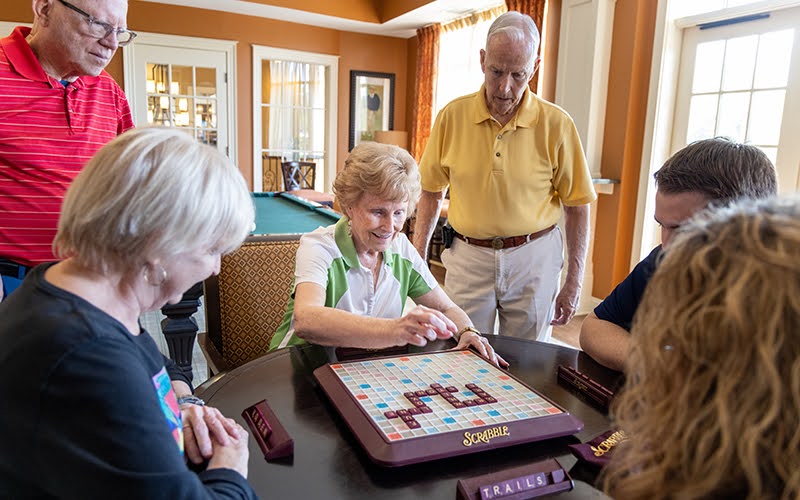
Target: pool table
284,213
279,216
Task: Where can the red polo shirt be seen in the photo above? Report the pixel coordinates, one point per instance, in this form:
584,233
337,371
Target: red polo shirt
48,132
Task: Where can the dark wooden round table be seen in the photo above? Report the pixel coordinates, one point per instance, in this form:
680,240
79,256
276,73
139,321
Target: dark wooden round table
328,462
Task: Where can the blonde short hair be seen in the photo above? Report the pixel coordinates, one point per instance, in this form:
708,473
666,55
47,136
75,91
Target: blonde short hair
712,395
152,193
382,170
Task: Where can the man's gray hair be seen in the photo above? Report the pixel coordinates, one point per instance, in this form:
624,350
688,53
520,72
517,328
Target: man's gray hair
516,26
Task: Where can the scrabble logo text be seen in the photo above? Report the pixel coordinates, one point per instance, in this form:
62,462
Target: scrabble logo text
609,443
484,436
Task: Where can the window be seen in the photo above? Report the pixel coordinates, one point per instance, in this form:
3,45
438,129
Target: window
295,115
185,97
459,71
733,72
184,82
734,81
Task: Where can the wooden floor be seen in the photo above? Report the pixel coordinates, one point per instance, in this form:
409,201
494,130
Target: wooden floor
568,334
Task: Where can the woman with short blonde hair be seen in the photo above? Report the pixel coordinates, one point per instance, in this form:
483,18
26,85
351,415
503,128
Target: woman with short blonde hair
388,172
352,279
89,405
151,194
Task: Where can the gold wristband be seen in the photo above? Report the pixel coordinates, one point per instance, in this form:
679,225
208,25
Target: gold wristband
467,329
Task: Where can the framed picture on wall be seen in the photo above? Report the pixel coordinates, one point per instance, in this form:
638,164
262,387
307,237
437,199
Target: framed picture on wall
371,105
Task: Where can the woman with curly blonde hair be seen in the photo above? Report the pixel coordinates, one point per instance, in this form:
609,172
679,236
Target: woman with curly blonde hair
712,398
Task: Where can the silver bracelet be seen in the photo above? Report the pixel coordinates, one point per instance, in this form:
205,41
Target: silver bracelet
191,399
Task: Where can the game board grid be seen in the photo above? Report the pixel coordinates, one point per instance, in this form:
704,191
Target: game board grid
379,386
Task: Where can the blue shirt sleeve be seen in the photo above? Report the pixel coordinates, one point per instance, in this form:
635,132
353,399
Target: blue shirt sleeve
621,305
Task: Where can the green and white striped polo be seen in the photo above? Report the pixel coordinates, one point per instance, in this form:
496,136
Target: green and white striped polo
327,257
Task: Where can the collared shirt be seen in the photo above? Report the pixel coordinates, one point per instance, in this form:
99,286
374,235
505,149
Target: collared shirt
327,257
506,181
48,132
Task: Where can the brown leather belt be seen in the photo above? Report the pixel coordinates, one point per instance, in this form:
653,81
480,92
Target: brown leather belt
510,242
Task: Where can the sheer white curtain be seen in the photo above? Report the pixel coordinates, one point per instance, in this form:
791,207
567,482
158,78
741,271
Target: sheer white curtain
296,110
459,72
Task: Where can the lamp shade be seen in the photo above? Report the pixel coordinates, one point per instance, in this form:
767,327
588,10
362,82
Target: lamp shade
396,137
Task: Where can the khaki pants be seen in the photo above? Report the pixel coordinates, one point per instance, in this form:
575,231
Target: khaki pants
517,285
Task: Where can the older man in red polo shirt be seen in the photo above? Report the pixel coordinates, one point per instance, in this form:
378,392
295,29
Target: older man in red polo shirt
57,108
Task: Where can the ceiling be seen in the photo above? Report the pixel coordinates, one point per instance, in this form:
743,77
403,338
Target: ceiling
402,26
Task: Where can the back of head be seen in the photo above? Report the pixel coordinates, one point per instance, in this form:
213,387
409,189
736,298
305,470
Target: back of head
721,169
382,170
516,26
712,397
152,193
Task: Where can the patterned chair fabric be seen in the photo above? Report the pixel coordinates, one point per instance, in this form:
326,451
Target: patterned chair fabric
246,303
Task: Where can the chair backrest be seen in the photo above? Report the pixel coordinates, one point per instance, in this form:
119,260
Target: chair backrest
271,173
298,175
246,302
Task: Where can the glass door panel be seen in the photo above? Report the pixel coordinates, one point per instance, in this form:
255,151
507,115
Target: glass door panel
185,89
293,114
739,81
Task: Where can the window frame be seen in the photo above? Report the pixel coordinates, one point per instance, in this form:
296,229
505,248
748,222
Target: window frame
228,47
661,106
331,63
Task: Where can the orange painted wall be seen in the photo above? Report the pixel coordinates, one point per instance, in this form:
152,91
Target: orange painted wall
626,108
16,10
549,66
355,51
389,9
358,10
373,11
371,53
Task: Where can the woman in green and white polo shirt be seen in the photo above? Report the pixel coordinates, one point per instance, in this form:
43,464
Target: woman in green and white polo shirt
352,278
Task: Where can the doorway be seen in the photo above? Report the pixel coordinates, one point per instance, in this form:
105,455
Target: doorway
184,82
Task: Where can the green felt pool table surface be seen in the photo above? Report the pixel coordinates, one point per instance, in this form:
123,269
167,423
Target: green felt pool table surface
282,213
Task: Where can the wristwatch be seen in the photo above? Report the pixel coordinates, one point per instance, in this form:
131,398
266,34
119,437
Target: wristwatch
191,399
467,329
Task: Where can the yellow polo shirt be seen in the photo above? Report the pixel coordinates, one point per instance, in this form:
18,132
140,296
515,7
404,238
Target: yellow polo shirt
506,181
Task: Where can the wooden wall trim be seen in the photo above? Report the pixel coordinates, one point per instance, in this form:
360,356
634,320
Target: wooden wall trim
626,112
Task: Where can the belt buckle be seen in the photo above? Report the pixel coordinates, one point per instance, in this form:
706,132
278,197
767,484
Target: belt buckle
497,243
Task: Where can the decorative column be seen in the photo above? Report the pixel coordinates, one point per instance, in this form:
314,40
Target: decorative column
180,328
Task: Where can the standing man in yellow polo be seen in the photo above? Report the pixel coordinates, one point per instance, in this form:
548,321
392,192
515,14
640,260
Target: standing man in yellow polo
514,164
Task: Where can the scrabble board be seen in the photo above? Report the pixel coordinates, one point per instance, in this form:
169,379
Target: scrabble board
419,407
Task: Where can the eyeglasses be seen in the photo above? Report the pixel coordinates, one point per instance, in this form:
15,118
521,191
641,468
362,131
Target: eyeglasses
100,30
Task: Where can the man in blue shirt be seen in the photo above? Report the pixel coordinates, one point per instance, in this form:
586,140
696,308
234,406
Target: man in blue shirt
705,173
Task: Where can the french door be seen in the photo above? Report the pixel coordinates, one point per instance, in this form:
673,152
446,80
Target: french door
741,80
185,83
